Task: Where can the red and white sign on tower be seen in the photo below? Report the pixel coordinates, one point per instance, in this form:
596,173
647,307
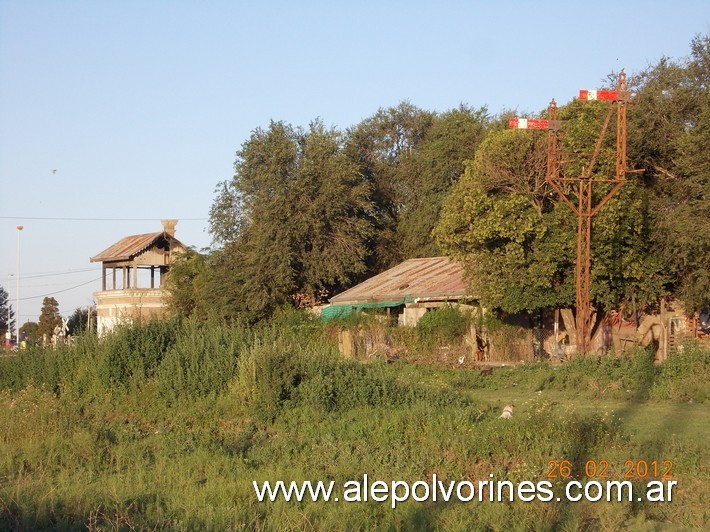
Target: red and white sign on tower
528,123
610,96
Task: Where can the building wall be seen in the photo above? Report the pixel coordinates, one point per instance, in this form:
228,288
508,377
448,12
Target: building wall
119,306
413,312
411,315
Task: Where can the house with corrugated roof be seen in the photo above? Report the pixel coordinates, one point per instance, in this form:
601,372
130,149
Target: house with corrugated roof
406,291
133,275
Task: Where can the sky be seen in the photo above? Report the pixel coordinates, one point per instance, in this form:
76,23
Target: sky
115,114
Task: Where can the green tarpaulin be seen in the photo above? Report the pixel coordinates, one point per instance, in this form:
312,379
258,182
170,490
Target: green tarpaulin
334,312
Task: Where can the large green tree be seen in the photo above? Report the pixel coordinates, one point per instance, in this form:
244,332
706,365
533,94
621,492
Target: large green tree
379,146
7,315
292,222
80,321
670,138
429,171
412,158
517,240
185,284
501,222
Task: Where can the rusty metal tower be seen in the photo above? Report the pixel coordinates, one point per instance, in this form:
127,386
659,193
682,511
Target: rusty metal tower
582,187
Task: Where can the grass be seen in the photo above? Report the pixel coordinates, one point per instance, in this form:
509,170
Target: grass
92,437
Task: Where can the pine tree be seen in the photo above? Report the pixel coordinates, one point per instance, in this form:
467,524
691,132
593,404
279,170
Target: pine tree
7,315
49,318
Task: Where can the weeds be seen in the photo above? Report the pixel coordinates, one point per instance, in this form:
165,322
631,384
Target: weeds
166,425
444,324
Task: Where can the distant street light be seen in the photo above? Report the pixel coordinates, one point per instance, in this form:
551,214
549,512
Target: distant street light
17,306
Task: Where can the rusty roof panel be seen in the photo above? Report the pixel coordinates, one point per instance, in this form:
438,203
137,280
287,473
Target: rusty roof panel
127,247
435,277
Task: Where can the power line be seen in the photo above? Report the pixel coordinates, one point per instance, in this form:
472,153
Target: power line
44,285
51,274
60,291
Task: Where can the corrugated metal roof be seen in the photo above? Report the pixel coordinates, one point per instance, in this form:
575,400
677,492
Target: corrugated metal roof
130,246
435,277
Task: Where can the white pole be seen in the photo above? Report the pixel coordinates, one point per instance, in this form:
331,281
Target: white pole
17,305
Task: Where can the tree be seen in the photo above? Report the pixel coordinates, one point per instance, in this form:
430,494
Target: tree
412,158
504,227
78,322
517,240
28,331
7,315
379,145
291,222
428,173
49,317
670,139
185,284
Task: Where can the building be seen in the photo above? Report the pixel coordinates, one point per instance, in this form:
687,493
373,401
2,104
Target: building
133,275
406,291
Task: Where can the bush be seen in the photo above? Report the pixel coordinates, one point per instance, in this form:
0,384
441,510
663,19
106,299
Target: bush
202,360
628,377
132,352
684,376
444,324
344,385
267,374
33,365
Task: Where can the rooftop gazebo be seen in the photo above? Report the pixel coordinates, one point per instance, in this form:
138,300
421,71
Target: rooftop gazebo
133,274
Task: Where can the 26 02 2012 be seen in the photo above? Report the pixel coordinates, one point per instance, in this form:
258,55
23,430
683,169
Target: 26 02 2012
633,469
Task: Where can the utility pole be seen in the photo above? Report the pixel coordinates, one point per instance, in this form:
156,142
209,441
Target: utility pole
17,304
582,187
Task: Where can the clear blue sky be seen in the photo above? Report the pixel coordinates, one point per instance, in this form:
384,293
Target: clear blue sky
140,106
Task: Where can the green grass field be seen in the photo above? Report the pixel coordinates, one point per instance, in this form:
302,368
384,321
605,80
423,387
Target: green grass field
125,434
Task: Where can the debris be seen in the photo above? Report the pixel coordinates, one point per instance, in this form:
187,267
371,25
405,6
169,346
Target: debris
507,412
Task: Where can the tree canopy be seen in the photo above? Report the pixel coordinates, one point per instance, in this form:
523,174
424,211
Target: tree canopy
301,224
670,140
411,158
310,212
517,239
505,225
500,222
81,322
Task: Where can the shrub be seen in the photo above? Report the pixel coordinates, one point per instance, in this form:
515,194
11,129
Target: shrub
684,376
133,352
202,360
627,377
267,374
343,385
444,324
36,364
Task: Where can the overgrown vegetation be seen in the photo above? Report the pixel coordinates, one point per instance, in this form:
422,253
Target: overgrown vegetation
444,324
166,425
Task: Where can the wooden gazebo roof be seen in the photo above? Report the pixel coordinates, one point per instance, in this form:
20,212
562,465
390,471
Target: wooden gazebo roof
128,247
